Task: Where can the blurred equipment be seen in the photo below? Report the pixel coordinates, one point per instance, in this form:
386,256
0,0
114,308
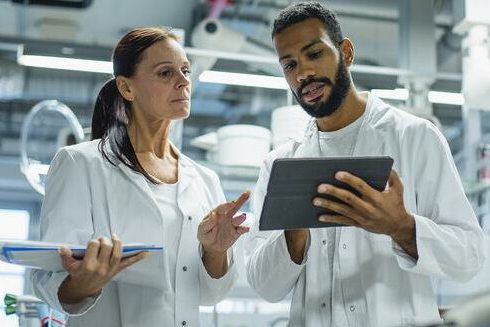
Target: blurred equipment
243,145
474,312
81,4
49,122
214,39
28,307
288,123
474,24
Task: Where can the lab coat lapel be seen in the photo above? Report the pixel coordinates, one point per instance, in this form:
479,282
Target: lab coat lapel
370,141
189,199
140,182
310,146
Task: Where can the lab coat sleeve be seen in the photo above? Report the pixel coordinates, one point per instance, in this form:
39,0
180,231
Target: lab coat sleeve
270,270
449,238
214,290
65,218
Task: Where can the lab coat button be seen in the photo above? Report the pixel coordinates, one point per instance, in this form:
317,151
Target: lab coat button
184,323
344,246
190,218
324,305
184,268
352,308
324,242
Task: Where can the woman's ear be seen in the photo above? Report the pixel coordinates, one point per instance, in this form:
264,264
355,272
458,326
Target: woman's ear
124,87
347,49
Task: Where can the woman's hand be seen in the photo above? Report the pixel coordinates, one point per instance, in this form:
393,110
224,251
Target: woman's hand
218,231
220,228
87,276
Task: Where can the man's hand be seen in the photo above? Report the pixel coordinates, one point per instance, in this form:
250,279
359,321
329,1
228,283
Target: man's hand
377,212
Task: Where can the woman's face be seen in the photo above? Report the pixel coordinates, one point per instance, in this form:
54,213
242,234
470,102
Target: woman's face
160,88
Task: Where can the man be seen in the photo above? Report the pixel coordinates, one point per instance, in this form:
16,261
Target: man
376,272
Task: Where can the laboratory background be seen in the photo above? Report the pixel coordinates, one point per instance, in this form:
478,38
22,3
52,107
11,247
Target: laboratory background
430,58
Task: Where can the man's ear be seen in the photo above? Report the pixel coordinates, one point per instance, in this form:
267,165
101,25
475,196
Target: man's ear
347,50
124,87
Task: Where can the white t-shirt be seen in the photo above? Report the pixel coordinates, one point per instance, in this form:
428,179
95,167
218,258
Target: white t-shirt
340,143
166,199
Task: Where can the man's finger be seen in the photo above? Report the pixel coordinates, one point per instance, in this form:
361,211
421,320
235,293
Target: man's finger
340,208
357,183
343,195
394,181
337,219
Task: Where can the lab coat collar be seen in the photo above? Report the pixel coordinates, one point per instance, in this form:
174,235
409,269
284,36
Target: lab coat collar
370,140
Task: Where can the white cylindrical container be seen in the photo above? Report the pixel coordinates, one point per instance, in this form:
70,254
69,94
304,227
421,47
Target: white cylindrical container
288,123
243,145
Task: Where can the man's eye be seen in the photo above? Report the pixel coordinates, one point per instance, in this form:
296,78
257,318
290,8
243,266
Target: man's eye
315,54
288,66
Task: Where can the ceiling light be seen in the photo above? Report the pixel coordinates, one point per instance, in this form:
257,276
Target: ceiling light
252,80
84,65
446,98
396,94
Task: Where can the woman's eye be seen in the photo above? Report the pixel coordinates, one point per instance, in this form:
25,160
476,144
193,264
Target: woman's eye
186,71
165,73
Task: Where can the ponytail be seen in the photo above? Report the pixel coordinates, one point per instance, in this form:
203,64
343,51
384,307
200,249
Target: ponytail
109,124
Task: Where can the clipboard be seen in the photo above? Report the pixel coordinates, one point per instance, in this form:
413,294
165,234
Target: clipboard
293,185
44,255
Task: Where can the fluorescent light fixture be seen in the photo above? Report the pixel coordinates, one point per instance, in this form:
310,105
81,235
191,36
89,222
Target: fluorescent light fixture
84,65
270,82
396,94
434,96
446,98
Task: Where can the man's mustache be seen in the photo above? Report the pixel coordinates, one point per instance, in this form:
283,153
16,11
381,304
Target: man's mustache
324,80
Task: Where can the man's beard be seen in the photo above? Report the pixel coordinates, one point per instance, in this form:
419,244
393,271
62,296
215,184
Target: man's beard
337,94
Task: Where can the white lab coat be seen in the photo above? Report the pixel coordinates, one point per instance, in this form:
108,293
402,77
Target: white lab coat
382,285
87,197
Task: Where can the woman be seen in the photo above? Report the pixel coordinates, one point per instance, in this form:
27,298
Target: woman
130,184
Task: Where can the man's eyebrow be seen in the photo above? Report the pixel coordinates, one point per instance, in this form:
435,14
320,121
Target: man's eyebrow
306,47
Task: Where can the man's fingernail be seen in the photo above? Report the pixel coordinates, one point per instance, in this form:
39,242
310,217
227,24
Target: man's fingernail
317,202
339,175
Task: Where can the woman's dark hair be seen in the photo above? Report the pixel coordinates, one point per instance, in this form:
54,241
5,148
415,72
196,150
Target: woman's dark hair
112,112
299,12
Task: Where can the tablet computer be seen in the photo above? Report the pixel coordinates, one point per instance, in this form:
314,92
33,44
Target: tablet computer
293,185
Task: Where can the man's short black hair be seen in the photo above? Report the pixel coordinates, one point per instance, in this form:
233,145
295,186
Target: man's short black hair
305,10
